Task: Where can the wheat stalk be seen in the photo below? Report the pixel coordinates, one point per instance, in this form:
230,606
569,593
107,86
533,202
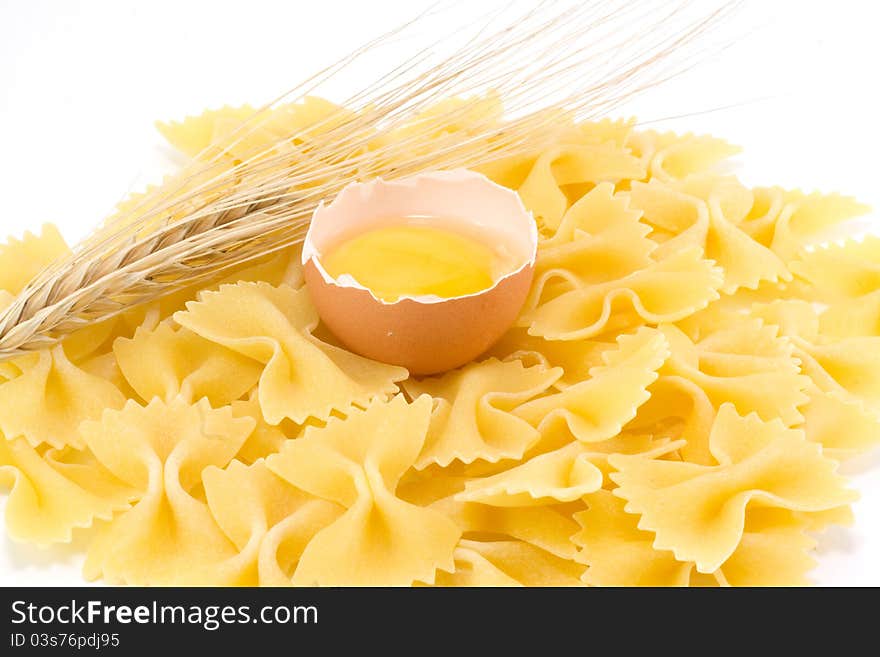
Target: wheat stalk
550,67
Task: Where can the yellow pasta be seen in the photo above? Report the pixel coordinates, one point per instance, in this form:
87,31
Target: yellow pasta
508,563
597,408
51,397
668,156
698,512
669,409
357,463
51,493
773,550
768,385
165,363
303,377
249,501
584,311
21,260
474,415
690,221
168,535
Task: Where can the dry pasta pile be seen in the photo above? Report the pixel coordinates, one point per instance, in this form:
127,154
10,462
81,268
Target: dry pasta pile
670,409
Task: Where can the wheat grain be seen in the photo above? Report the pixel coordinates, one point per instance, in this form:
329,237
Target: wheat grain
550,67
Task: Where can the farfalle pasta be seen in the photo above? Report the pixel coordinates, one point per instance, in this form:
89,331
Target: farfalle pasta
303,376
691,221
22,259
698,511
508,563
168,534
669,409
53,493
773,551
644,297
474,415
597,408
251,502
51,397
357,463
166,362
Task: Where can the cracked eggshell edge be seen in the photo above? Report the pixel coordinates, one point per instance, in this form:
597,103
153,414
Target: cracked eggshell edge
426,193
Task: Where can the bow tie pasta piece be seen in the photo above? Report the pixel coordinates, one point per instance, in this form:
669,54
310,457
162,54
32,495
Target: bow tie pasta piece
698,512
742,345
284,267
194,134
647,445
600,239
284,544
249,501
575,357
829,406
842,271
794,317
689,221
265,439
596,409
733,200
767,385
357,463
51,398
603,131
848,318
806,216
841,423
677,409
21,260
667,291
760,220
295,121
303,376
51,494
90,342
852,363
669,156
168,536
564,475
474,416
508,563
450,115
549,528
678,220
511,171
425,487
617,553
847,365
165,362
773,550
543,190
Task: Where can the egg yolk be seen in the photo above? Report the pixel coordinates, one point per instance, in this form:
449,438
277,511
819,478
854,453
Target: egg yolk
413,260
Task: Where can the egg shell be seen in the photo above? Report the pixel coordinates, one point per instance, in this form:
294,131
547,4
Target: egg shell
426,338
425,334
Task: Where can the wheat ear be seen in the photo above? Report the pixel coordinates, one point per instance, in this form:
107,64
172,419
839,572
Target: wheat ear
551,66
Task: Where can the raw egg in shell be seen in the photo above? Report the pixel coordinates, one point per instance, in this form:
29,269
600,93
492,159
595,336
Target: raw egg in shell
425,272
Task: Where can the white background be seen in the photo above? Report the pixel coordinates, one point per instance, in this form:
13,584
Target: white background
82,82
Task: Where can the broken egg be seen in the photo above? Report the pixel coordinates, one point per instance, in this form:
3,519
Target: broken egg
425,272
